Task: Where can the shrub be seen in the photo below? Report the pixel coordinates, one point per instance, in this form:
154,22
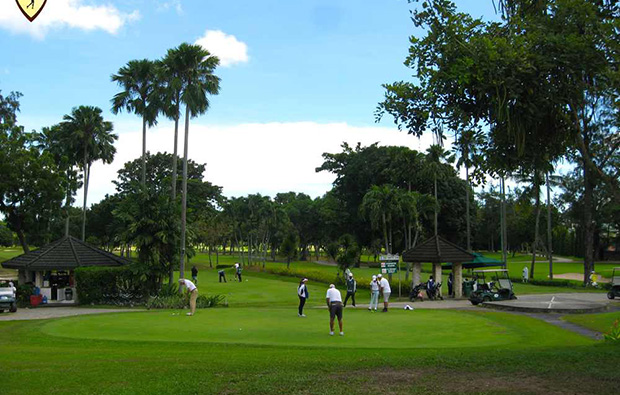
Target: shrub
614,334
23,294
109,285
181,301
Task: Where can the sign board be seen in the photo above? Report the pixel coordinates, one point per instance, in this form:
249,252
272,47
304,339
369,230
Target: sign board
389,264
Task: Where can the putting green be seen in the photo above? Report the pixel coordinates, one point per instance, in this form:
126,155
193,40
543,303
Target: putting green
282,327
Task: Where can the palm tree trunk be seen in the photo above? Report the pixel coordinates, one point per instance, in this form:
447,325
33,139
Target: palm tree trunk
143,178
536,226
184,202
467,208
67,204
86,179
436,201
588,197
549,232
174,156
385,236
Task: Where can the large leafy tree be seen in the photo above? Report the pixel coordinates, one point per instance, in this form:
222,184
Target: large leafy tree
91,138
138,81
539,82
196,78
31,190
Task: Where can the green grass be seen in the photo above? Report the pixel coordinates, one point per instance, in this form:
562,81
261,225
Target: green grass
597,322
259,345
282,327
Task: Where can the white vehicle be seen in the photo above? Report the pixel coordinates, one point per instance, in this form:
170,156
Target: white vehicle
8,299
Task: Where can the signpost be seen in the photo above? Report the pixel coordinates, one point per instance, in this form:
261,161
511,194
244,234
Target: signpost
390,264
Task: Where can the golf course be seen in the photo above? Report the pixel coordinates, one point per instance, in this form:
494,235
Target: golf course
258,344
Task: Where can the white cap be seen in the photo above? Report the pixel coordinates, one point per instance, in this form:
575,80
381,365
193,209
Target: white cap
374,277
379,275
332,286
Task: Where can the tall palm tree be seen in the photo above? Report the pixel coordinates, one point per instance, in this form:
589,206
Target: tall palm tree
137,79
435,155
168,90
195,67
91,137
378,205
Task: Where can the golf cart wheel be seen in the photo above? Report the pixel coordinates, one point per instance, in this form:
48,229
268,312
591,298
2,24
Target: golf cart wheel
513,296
610,295
475,302
13,309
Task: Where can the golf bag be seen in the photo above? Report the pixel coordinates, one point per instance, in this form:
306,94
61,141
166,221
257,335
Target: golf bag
416,292
434,293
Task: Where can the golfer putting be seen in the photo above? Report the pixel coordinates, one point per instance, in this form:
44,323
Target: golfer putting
193,294
334,304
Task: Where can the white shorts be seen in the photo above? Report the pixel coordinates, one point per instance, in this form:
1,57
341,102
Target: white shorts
386,296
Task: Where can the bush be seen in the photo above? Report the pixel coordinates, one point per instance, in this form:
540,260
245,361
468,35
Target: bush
181,301
614,334
109,285
23,294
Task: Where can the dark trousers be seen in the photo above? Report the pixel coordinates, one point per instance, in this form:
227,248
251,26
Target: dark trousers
302,302
222,277
349,295
450,288
239,276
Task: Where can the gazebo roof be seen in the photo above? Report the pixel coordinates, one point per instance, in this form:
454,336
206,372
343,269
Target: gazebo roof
437,250
67,253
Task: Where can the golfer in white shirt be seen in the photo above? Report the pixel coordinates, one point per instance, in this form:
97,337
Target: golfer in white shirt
193,294
384,288
334,304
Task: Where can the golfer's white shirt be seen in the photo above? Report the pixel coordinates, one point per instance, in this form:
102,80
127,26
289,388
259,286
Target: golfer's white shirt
190,285
333,295
385,285
374,285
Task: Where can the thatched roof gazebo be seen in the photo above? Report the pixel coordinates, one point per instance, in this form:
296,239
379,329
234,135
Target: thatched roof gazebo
51,267
438,250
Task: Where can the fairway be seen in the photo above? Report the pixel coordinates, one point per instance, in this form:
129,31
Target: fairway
282,327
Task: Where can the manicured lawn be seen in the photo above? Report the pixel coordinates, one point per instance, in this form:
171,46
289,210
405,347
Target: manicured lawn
598,322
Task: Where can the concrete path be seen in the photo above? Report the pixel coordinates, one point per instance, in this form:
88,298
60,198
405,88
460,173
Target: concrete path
44,313
566,303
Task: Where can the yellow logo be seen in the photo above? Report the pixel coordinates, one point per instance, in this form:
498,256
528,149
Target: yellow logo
31,8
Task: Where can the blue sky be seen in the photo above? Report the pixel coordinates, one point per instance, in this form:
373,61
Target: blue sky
302,76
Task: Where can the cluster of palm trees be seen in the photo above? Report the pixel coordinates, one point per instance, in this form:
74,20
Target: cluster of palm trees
184,76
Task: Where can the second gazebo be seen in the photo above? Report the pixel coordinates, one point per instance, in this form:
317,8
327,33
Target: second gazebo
437,250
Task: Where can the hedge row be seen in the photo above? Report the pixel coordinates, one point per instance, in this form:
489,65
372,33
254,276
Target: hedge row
109,285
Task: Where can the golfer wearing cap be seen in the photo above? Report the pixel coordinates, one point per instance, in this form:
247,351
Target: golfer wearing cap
385,290
334,304
302,292
374,294
351,289
193,294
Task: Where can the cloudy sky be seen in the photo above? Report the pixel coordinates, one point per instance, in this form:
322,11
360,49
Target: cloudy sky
299,78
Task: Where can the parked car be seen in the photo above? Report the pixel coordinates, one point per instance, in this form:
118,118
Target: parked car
8,300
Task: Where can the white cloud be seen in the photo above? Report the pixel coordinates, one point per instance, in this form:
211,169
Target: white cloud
168,5
65,14
252,158
225,46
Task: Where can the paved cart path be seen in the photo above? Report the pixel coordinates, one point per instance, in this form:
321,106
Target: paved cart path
44,313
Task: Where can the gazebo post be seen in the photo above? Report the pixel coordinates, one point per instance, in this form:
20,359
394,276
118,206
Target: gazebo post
457,284
417,274
437,272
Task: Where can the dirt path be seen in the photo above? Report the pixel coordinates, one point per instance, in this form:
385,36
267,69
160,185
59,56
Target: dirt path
45,313
579,277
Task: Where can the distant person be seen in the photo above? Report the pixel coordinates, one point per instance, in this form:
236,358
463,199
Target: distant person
302,292
385,290
351,290
525,274
334,304
238,271
374,294
593,279
450,280
222,275
193,294
194,274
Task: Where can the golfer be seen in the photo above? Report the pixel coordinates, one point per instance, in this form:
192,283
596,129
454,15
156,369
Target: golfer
351,289
222,275
334,304
374,294
193,294
302,292
194,274
525,274
238,270
385,290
